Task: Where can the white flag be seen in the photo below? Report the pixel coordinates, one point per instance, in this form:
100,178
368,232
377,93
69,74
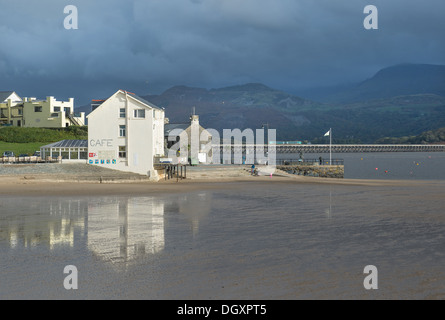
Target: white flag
327,133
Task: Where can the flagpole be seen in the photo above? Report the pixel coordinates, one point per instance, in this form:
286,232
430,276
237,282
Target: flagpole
330,146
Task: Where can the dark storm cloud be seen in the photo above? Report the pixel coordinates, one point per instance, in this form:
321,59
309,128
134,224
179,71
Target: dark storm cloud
150,45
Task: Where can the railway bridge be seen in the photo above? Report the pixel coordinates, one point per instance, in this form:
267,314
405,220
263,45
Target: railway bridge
336,148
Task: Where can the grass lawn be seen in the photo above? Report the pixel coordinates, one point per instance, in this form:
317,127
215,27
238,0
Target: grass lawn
19,148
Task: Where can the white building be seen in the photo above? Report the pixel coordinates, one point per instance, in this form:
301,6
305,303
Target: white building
189,131
50,113
126,132
30,112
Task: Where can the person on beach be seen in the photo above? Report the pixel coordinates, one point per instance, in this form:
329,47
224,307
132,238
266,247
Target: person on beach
252,169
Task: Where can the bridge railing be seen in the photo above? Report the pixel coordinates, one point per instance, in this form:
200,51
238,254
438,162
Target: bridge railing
335,148
309,162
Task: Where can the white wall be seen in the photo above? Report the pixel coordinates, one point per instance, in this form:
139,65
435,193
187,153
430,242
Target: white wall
141,135
14,99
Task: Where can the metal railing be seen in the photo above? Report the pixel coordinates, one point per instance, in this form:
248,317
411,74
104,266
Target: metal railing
310,162
73,120
30,159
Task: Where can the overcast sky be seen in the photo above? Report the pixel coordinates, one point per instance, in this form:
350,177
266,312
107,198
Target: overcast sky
147,46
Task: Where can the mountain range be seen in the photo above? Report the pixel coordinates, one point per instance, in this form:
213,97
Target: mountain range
402,100
398,80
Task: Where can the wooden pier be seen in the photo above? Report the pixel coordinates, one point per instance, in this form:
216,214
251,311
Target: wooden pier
173,171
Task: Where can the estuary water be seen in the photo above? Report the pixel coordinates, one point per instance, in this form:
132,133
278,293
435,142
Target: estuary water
243,240
386,165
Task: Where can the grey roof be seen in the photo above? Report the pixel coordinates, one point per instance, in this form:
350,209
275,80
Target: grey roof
4,95
68,144
171,126
145,102
130,95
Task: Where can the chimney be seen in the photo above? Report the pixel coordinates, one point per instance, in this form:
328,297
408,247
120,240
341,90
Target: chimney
194,119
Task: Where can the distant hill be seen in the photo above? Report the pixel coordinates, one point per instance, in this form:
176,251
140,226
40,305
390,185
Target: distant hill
428,137
403,79
244,106
399,101
86,108
296,118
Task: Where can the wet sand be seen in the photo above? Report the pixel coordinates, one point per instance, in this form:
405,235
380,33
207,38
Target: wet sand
237,239
20,186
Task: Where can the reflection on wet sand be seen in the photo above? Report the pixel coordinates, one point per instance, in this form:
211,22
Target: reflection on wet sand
53,223
289,241
194,207
116,229
121,230
329,209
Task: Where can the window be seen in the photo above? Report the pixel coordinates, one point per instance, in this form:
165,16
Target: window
20,111
122,113
122,132
56,109
122,151
38,109
139,113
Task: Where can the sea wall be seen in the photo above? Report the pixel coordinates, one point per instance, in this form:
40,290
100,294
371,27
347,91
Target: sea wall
315,170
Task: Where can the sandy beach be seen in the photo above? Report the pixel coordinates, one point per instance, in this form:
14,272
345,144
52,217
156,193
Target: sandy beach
219,234
52,185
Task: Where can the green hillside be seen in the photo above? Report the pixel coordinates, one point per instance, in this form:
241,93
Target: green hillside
29,140
427,137
25,135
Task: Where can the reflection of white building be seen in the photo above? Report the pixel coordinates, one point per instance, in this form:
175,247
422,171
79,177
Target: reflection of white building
66,219
126,229
116,229
195,207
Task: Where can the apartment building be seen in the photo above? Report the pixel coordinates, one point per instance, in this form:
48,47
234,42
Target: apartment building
31,112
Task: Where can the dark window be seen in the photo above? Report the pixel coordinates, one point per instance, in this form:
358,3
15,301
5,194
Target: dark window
38,109
139,113
122,131
56,109
122,113
122,151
